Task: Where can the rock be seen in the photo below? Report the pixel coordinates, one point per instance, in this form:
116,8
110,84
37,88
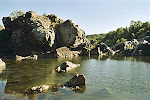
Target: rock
40,34
66,66
29,33
70,35
38,89
65,52
125,48
19,58
142,49
102,49
77,80
2,63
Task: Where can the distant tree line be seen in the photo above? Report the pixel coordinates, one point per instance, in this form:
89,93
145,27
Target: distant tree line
136,30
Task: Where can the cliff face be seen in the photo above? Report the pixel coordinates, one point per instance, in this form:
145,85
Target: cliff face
34,34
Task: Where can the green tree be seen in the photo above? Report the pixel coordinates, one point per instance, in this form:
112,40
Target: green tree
44,14
16,14
123,40
118,41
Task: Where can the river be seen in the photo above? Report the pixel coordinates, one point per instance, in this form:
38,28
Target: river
113,78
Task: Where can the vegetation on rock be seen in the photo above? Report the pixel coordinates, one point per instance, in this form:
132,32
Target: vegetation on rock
16,13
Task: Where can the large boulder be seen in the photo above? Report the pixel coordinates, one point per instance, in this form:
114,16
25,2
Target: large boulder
125,48
142,49
65,53
102,49
29,33
66,66
70,35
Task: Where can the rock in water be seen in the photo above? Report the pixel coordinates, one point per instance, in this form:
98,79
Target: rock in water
70,35
38,89
31,34
77,80
66,66
2,63
102,49
142,49
19,58
66,52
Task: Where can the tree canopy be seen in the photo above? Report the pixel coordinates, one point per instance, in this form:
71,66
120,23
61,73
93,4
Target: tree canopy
136,30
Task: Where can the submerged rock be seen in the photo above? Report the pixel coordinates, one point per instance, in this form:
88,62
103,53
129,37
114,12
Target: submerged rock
66,66
19,58
38,89
77,80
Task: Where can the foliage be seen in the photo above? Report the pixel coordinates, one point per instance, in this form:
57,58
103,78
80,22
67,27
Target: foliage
44,14
136,30
16,14
1,27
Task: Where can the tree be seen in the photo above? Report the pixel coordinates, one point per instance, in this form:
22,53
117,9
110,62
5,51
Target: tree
16,14
118,41
44,14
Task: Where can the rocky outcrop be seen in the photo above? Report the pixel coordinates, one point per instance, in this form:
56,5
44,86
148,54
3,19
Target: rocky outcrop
70,35
143,48
125,48
32,34
133,47
102,49
77,80
66,66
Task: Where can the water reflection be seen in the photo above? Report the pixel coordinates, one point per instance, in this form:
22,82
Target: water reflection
26,74
106,78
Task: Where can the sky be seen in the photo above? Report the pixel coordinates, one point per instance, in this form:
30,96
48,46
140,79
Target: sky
92,16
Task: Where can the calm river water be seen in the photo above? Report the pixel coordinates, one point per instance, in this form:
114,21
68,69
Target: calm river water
114,78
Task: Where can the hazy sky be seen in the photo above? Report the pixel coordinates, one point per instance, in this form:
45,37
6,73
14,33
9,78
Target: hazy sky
92,16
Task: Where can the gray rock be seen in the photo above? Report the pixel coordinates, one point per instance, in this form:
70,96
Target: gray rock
66,66
77,80
102,49
19,58
66,53
2,63
142,49
31,34
70,35
125,48
37,89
